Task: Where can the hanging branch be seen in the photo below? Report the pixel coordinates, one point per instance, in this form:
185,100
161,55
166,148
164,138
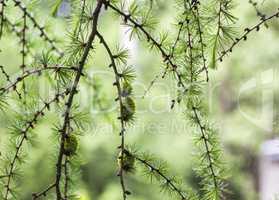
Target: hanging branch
23,50
190,47
224,20
185,57
207,145
25,137
152,168
192,6
181,27
163,74
208,141
244,36
73,91
27,73
43,34
121,107
200,31
168,60
167,180
181,24
217,37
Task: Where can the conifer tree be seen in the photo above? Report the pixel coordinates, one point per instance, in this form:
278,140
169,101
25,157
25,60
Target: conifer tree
204,34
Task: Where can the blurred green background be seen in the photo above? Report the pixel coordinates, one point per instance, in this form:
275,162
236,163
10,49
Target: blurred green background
243,117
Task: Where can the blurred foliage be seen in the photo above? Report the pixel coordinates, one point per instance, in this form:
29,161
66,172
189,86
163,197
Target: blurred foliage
157,128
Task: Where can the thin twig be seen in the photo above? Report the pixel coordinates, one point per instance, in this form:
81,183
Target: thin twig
201,42
30,72
29,125
43,34
43,193
164,72
166,57
245,35
151,85
122,132
165,177
207,147
23,50
181,25
195,110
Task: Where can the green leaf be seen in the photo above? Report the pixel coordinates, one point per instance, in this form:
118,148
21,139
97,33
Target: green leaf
55,7
213,56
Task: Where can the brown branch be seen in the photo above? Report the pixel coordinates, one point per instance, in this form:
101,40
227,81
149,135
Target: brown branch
163,73
30,72
161,174
201,42
23,50
43,193
190,46
207,147
245,35
119,92
73,91
181,25
43,33
195,110
166,57
24,137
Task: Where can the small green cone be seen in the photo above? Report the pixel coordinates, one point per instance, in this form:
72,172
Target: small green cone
129,109
128,161
70,145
